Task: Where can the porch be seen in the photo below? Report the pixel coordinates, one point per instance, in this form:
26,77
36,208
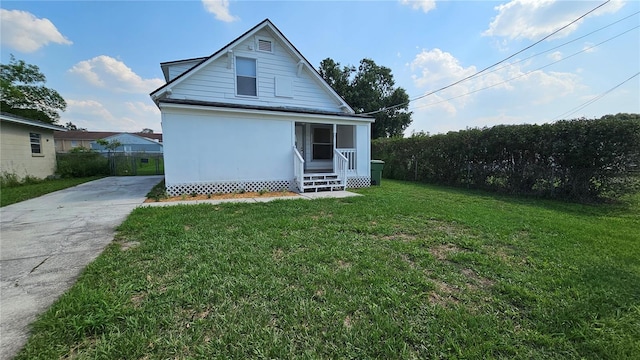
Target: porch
324,156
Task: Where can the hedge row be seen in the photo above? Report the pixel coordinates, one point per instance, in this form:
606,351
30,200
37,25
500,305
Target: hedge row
81,164
572,159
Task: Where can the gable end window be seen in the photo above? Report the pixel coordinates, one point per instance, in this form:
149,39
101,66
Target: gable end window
36,148
246,78
265,45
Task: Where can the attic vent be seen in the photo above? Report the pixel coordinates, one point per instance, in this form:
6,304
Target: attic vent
265,45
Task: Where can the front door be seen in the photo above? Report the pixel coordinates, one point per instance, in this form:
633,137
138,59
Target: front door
320,148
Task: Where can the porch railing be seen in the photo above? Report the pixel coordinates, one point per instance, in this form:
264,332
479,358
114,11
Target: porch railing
298,168
340,163
350,154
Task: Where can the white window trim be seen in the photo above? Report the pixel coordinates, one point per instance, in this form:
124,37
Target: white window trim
258,38
31,143
235,80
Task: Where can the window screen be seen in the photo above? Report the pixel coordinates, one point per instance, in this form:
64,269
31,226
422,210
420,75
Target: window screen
35,143
246,77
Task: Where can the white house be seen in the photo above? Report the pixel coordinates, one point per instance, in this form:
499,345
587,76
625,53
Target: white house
256,115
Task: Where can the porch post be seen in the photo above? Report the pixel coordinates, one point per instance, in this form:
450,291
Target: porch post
335,135
335,140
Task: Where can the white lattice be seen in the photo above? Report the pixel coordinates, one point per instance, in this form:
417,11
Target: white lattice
229,187
358,182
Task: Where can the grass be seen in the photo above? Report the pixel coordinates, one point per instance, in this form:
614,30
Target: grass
21,192
406,271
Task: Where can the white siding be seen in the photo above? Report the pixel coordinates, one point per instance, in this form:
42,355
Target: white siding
176,70
205,146
363,149
216,82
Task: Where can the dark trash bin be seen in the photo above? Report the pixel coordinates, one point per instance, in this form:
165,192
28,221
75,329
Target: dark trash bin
376,171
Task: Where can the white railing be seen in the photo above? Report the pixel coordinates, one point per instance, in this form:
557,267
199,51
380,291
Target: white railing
298,168
350,154
340,164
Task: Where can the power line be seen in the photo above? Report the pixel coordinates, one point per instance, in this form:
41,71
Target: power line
489,67
561,45
528,72
585,104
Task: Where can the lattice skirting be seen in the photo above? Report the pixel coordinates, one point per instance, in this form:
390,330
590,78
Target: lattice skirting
229,187
358,182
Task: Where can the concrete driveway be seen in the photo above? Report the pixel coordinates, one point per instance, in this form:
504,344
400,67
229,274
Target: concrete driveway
46,242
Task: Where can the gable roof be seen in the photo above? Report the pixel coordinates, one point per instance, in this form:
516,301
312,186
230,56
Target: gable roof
155,95
165,65
135,136
95,135
24,121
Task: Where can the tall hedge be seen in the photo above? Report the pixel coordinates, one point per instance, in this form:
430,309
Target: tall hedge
574,159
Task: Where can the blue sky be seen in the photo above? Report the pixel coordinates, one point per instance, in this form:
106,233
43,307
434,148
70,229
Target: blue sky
103,56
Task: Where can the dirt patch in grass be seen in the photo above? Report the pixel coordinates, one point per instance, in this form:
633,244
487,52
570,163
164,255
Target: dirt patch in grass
476,280
444,294
136,300
451,229
124,246
223,196
442,252
277,254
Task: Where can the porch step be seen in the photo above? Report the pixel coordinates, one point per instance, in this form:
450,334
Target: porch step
321,182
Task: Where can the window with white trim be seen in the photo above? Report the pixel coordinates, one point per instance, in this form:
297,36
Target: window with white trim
246,77
36,144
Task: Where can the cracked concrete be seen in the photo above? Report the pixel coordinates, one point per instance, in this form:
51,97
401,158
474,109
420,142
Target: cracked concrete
46,242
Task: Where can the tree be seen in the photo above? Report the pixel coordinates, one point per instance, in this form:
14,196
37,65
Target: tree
370,88
22,92
109,145
71,126
146,131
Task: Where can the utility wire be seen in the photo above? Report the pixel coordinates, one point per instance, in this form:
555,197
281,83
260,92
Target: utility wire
528,72
584,105
489,67
561,45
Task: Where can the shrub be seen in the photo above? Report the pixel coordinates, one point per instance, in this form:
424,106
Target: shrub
82,164
574,159
8,179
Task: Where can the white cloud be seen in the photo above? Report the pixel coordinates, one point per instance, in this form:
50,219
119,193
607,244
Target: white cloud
435,68
111,115
505,95
142,109
589,47
555,56
106,72
24,32
424,5
534,19
220,8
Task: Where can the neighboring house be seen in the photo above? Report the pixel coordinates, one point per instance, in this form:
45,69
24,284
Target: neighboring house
27,147
254,116
67,141
130,143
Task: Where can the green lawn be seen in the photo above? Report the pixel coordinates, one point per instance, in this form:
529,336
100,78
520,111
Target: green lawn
406,271
13,194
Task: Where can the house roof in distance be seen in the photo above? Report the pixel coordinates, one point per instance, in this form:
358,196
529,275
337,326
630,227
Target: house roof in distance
35,123
95,135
